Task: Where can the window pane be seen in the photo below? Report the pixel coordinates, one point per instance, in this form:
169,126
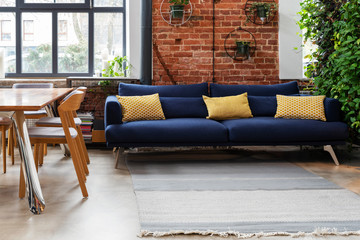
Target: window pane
73,42
8,40
108,33
7,3
108,3
54,1
36,43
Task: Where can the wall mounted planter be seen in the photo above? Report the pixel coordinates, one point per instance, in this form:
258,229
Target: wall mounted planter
260,12
175,15
240,44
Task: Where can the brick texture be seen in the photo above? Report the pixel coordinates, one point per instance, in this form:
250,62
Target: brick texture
186,50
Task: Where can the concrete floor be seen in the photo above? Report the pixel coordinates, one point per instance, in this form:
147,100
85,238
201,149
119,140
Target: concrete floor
110,212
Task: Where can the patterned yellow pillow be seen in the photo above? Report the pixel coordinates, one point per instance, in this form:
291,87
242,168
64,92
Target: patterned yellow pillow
137,108
300,107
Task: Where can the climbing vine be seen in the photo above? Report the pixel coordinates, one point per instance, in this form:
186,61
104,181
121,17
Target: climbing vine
334,26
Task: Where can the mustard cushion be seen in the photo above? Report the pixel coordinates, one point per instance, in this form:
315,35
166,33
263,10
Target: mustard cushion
300,107
232,107
137,108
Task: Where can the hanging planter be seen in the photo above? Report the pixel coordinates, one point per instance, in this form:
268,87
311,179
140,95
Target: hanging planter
242,48
240,44
260,12
176,12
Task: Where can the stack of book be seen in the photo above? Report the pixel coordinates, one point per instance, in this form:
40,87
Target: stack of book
86,125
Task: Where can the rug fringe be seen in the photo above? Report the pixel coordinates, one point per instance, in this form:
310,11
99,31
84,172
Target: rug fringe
318,232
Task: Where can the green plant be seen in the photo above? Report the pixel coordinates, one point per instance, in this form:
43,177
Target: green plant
118,67
179,2
261,9
238,42
333,25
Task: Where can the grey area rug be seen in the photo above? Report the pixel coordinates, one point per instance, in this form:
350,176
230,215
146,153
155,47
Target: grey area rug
244,198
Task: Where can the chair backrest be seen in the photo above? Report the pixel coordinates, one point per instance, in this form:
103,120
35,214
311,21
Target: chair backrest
33,85
68,107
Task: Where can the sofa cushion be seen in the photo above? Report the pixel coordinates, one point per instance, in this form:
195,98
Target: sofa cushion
279,130
191,90
303,107
231,107
218,90
183,107
136,108
176,130
262,105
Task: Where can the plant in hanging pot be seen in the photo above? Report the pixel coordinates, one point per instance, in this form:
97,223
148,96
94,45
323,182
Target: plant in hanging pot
262,9
242,48
177,9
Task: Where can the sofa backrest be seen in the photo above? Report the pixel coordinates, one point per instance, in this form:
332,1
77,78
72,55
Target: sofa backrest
262,98
177,101
191,90
219,90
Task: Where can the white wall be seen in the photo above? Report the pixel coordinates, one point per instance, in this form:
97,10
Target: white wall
133,35
290,60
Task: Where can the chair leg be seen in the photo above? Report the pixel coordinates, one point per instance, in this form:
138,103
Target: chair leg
45,149
83,146
12,147
10,134
82,155
41,154
3,142
77,165
329,149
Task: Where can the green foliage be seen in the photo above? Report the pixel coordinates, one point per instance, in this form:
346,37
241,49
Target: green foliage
268,7
179,2
40,59
118,67
238,42
75,58
334,25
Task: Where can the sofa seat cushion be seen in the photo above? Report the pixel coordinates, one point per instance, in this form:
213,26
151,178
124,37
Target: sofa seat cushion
177,130
278,130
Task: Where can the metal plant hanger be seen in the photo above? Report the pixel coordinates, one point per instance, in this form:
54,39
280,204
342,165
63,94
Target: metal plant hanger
175,16
260,12
240,44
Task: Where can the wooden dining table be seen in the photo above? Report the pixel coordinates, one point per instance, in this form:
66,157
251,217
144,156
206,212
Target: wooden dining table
20,100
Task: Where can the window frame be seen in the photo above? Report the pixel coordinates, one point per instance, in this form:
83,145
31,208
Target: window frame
54,9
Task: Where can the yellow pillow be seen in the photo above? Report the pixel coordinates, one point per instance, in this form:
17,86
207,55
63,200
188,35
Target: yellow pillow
137,108
232,107
300,107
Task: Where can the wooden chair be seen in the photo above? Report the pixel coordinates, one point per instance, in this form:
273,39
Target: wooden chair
66,134
6,124
56,122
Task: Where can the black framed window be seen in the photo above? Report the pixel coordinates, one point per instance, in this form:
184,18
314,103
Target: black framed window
59,38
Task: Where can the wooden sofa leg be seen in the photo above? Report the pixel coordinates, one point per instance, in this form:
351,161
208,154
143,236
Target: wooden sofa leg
121,159
329,149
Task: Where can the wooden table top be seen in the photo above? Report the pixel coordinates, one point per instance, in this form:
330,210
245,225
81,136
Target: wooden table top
29,99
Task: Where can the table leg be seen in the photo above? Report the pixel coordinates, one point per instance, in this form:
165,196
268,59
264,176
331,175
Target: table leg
28,172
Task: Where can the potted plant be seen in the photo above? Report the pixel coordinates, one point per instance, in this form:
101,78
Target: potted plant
118,67
177,9
262,9
242,47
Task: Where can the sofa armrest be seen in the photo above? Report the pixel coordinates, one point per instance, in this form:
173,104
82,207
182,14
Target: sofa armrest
332,110
112,111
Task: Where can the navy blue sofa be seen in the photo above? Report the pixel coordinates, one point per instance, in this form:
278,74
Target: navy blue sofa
186,123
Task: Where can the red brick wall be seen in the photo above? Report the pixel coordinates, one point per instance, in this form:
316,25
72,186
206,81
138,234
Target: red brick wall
187,50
